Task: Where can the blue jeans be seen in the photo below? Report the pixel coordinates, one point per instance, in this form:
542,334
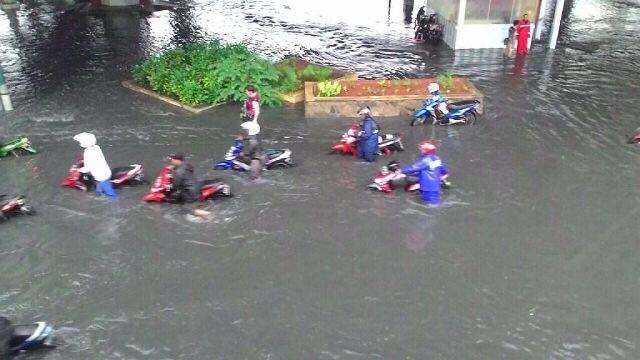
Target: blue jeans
431,197
105,187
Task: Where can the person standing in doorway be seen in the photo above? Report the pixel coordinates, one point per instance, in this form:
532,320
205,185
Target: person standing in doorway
510,41
523,29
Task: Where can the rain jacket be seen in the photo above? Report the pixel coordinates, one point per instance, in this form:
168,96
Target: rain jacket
430,170
184,184
94,161
368,139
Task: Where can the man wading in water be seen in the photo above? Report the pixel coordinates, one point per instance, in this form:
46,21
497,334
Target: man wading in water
251,108
252,152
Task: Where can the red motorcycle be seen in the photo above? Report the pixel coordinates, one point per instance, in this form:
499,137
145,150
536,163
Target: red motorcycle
15,205
161,188
390,176
120,176
348,145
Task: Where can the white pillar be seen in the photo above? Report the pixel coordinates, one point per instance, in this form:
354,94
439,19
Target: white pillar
4,97
541,12
4,93
555,28
460,22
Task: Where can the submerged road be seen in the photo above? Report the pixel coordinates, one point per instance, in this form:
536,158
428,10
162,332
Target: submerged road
533,254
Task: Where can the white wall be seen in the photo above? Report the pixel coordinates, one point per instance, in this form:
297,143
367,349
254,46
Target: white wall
483,36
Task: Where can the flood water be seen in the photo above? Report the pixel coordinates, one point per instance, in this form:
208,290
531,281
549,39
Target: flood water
533,254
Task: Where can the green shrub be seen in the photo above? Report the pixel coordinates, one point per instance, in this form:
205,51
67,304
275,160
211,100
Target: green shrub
210,73
445,80
316,73
289,81
329,88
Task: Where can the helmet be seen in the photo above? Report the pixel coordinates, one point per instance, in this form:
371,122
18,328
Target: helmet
384,171
426,147
355,126
365,110
433,87
85,139
394,166
251,127
176,156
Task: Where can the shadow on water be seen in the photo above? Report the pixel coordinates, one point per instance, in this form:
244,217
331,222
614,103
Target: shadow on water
532,255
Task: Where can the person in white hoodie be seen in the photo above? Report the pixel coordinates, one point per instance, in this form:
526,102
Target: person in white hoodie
96,164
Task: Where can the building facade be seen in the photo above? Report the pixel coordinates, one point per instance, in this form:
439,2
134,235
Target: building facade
478,24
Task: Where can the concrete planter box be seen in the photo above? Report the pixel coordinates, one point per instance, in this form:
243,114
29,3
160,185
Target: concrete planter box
299,96
130,84
388,97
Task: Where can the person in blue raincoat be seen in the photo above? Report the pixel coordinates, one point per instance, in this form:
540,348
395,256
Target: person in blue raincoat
430,171
368,137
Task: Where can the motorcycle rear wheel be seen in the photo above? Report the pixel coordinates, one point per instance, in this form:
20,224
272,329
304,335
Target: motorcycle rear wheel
470,118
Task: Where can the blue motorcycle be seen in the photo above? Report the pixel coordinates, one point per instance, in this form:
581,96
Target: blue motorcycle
273,159
442,113
19,338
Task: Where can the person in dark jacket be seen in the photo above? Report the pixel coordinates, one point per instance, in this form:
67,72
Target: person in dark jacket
430,171
185,188
368,137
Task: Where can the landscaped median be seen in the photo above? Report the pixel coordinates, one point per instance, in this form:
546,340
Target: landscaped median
385,97
302,71
200,76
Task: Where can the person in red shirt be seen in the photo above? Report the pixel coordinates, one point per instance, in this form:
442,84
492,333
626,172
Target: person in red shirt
523,29
251,109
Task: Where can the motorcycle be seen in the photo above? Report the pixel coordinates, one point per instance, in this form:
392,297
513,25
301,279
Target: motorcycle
389,176
443,113
274,159
387,144
15,205
19,338
428,29
161,188
19,145
120,176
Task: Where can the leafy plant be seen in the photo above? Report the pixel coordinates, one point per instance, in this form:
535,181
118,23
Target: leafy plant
211,73
316,73
329,88
445,80
289,81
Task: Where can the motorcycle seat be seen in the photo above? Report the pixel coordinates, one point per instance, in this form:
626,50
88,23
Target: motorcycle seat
461,104
209,182
272,153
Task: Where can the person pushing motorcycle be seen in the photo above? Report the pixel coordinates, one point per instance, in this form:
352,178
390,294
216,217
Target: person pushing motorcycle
431,171
185,187
368,136
253,149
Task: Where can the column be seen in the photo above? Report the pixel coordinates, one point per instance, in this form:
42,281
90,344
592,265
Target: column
542,9
555,28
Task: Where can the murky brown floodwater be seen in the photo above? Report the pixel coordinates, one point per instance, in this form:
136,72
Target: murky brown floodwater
534,254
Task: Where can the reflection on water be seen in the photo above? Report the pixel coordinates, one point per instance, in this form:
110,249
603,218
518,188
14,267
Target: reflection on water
532,254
